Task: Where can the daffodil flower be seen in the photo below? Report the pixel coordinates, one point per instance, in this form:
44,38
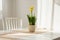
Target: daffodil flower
31,16
31,9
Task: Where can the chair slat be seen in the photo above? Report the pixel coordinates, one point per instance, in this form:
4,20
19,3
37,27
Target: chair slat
12,23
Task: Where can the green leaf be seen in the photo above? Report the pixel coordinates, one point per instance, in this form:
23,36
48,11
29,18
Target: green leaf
31,19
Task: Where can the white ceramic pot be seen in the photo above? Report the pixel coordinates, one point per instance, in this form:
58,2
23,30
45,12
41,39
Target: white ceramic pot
31,28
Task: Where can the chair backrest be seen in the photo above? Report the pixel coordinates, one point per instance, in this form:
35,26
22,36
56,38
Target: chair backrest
13,23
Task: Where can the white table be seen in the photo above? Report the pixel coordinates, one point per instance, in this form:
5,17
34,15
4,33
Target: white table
29,36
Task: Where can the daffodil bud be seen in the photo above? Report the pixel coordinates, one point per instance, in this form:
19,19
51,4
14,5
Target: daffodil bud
31,9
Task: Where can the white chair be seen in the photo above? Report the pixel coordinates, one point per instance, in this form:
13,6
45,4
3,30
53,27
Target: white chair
12,23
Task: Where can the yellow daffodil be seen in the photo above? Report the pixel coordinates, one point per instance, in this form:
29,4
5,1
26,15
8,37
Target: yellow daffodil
31,16
31,9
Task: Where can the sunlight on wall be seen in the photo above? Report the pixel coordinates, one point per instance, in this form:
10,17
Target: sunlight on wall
44,14
39,6
56,26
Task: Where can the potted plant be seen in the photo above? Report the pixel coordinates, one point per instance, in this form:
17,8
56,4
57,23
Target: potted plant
32,20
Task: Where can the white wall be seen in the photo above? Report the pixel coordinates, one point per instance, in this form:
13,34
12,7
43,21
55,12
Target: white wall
1,25
22,8
18,8
7,8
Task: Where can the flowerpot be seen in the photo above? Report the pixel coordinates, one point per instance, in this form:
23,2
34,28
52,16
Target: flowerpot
31,28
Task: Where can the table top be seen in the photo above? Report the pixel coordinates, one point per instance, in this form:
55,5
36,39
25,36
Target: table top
29,36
